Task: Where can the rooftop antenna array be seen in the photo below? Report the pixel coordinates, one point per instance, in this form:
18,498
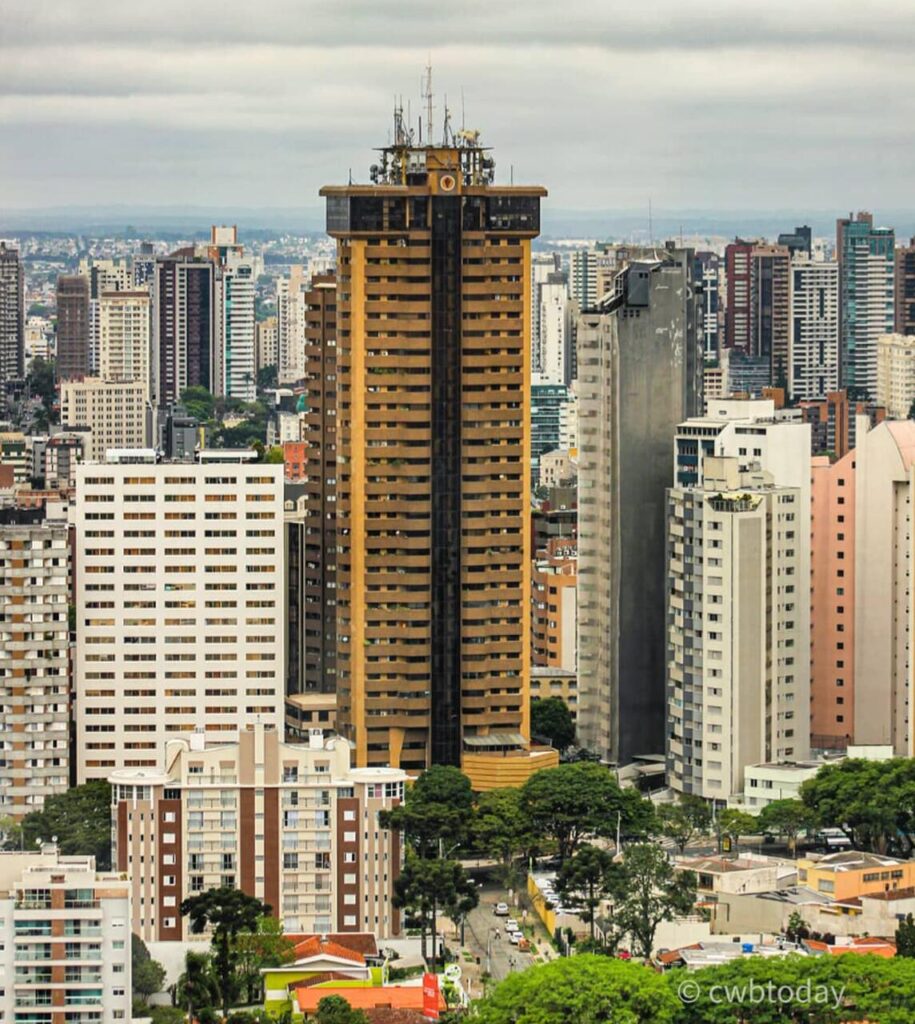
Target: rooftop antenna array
427,96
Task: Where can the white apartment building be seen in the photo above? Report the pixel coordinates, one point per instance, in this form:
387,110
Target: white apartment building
292,824
34,684
290,325
267,343
814,340
554,356
179,603
896,374
124,336
738,686
104,275
884,609
114,412
235,372
64,940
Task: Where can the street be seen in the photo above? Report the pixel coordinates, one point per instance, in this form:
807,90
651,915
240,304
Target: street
497,955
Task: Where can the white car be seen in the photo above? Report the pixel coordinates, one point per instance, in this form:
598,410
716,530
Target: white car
501,909
511,925
515,937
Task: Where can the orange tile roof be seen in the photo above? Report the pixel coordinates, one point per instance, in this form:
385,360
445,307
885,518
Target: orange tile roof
315,946
359,942
396,997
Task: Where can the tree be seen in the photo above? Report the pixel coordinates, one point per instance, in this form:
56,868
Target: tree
684,821
80,818
586,879
646,891
813,990
905,938
873,802
197,988
42,385
426,885
584,989
199,403
147,975
501,829
787,818
267,378
436,813
228,912
796,928
573,801
336,1010
265,946
735,823
274,456
552,720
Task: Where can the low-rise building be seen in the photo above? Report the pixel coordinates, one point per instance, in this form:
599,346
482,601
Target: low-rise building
549,682
64,940
851,875
308,711
293,825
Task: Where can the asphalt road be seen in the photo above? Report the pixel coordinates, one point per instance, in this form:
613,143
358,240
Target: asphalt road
497,955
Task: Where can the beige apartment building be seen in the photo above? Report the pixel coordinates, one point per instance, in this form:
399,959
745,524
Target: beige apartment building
292,824
114,412
896,374
124,336
64,940
34,685
738,645
179,603
884,491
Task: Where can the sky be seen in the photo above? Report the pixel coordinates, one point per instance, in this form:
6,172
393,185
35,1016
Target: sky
791,104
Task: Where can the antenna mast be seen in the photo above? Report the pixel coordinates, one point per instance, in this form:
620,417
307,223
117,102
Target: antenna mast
427,96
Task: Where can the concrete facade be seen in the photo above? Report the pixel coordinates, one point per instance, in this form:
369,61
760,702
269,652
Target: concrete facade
114,412
896,374
640,374
64,940
179,603
293,825
885,474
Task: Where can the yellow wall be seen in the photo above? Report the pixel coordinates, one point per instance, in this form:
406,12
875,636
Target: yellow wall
495,771
851,884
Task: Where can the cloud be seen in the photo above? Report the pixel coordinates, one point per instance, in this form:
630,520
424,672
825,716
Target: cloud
726,105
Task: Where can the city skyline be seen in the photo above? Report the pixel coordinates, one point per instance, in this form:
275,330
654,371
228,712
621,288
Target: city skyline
169,105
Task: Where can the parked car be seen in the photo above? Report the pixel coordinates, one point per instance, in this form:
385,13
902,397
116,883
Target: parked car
515,937
501,910
511,925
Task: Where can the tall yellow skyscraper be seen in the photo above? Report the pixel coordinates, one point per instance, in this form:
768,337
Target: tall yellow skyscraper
433,455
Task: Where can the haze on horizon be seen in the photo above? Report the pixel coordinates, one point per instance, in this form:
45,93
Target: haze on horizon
770,105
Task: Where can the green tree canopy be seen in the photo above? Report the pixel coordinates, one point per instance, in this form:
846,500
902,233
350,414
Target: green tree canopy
501,828
734,823
427,886
436,813
572,802
905,938
147,975
873,802
812,990
80,818
552,721
336,1010
786,818
199,403
265,946
583,989
267,378
684,821
228,912
198,987
647,890
586,879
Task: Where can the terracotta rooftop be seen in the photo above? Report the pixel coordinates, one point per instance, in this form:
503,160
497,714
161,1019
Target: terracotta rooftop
892,894
325,946
394,997
356,942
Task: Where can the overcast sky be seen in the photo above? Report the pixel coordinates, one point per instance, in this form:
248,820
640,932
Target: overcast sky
801,104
